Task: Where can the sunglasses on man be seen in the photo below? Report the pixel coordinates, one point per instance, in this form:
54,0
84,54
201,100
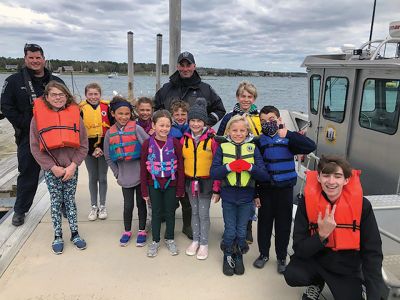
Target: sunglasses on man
32,48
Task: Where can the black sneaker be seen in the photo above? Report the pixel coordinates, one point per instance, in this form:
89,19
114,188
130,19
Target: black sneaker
239,266
312,292
18,219
261,261
228,265
281,266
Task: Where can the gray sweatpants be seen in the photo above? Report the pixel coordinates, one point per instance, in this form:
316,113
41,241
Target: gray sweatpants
97,170
200,215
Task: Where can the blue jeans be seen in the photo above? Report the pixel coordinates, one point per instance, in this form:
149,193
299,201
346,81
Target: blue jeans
236,217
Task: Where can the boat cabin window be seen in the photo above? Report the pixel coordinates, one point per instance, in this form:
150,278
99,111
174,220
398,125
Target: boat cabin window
315,86
336,89
380,105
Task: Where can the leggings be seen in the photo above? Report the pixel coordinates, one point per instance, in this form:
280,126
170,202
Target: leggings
62,191
97,170
129,204
200,216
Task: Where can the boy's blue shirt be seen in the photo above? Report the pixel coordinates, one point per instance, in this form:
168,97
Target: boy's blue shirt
177,130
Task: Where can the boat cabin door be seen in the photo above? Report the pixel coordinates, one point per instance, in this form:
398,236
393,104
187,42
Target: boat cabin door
331,91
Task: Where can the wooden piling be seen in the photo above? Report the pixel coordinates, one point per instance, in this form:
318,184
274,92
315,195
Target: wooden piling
158,61
130,66
174,33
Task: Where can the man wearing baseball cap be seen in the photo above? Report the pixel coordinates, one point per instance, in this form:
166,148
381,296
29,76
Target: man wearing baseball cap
185,84
18,94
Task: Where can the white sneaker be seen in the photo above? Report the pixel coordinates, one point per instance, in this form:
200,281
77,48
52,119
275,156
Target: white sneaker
192,249
102,212
203,252
171,246
93,213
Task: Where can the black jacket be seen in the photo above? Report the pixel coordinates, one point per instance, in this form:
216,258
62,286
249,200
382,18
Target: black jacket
15,100
346,262
189,90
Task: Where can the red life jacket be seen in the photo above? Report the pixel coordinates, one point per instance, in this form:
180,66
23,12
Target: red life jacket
346,235
57,129
124,144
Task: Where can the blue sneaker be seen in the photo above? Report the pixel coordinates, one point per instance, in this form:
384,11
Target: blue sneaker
141,238
79,242
125,238
58,245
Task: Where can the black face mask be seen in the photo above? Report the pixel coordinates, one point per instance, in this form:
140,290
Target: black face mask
269,128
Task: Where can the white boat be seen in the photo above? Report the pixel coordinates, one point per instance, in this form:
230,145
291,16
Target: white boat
112,75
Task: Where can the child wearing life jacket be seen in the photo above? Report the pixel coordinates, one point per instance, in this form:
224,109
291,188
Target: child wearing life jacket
144,109
198,147
237,163
179,111
246,95
277,145
122,145
59,144
95,114
162,179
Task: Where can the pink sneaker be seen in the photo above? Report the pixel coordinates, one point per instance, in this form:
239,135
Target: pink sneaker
192,249
203,252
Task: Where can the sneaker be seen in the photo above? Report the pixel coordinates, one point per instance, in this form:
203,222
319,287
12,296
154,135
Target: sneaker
102,212
192,249
125,238
79,242
141,238
18,219
172,248
239,266
203,252
312,292
260,261
153,249
57,245
93,213
281,266
228,265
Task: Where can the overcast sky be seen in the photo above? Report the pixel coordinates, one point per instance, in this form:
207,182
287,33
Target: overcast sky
273,35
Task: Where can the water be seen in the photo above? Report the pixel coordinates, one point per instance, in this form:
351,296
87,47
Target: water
282,92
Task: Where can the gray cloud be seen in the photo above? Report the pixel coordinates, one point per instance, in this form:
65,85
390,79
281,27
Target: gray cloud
247,34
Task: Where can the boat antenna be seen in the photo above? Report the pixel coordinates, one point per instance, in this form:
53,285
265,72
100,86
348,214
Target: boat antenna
372,26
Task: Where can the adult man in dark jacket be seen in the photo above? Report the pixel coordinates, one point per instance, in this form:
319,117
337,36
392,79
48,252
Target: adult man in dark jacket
336,238
18,94
185,84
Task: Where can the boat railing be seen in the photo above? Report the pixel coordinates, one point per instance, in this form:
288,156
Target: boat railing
375,49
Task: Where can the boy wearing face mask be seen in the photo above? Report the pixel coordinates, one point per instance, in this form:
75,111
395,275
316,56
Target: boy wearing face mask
278,146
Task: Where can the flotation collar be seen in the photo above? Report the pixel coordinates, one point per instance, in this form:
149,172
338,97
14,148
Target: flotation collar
346,235
124,144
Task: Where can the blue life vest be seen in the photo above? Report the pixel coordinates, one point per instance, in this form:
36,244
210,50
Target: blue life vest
278,159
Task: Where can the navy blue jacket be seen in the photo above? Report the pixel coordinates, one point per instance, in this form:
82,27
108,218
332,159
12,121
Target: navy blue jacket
237,195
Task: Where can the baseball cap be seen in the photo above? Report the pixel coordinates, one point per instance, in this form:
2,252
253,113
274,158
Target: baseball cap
186,56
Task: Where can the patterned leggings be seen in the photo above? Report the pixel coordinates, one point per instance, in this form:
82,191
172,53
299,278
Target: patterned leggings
61,191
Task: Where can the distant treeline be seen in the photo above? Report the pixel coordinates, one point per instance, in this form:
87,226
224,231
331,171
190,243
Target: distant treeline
56,65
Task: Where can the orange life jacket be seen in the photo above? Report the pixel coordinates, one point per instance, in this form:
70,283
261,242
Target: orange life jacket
346,235
57,129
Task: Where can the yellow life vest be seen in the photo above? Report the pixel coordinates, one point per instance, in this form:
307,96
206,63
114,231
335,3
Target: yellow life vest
95,120
230,153
255,124
197,160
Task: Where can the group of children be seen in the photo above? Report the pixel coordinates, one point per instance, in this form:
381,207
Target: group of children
169,157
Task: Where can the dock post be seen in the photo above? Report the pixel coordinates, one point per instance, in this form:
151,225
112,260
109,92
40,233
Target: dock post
158,61
130,66
174,33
